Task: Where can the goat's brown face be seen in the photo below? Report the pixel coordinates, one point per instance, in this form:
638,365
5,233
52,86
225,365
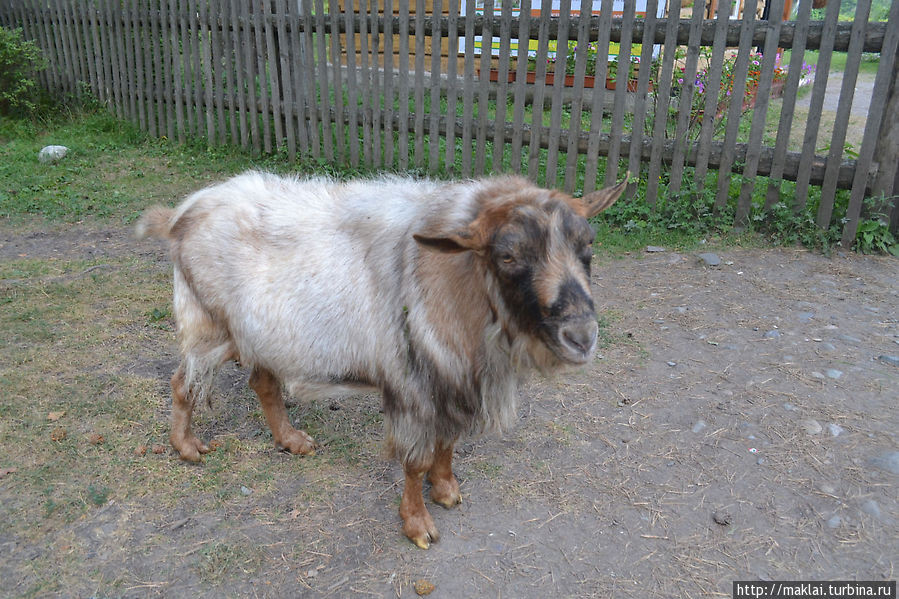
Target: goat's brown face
538,245
541,256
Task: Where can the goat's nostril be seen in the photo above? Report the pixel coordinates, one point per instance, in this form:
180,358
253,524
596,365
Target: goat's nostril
580,338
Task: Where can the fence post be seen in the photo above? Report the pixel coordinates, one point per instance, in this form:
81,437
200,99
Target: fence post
886,183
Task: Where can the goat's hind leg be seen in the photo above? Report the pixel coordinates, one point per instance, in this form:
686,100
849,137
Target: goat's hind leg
268,389
181,437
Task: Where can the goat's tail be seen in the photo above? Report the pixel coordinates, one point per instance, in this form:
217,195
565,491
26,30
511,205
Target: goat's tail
156,221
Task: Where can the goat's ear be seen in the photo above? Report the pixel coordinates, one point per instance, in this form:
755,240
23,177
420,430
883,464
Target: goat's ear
595,202
452,243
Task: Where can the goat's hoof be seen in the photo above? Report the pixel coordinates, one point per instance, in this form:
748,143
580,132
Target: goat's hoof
189,448
421,531
297,443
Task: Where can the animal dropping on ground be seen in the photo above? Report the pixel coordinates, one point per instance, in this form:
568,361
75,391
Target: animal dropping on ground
441,296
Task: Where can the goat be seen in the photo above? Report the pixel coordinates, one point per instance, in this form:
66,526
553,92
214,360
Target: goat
441,296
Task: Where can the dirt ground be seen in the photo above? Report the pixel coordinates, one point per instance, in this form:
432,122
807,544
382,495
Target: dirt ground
739,423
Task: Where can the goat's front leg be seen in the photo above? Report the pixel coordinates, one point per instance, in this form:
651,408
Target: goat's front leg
417,522
444,486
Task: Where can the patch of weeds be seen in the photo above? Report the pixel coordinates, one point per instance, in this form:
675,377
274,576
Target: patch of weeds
487,469
220,561
158,317
98,494
874,236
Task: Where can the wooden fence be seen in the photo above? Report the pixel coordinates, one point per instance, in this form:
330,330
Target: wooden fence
364,83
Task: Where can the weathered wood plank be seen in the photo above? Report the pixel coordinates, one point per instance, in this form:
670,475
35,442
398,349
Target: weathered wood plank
555,111
285,79
889,67
785,124
539,79
323,87
435,111
499,121
351,87
597,107
841,123
640,103
452,93
403,87
735,110
468,89
621,82
660,122
819,89
520,93
484,88
759,119
685,112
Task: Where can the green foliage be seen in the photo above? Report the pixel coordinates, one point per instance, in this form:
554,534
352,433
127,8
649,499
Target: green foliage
20,61
873,236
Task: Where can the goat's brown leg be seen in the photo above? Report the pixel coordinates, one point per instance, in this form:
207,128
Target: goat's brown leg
417,522
268,389
444,486
181,437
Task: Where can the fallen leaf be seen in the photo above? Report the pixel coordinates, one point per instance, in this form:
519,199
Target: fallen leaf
215,444
140,450
157,449
96,439
54,416
58,434
5,471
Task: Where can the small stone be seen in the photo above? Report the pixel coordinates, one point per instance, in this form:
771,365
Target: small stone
828,346
806,317
698,426
790,407
96,439
423,587
890,360
245,491
834,522
681,309
721,517
772,334
817,375
672,364
710,259
872,508
812,427
50,154
652,249
888,461
760,461
835,429
833,373
849,339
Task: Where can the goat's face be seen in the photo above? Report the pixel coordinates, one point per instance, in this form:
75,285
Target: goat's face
541,257
538,246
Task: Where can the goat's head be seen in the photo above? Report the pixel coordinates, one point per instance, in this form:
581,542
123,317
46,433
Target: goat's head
537,244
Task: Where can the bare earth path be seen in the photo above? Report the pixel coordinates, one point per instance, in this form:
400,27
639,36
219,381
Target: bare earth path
739,423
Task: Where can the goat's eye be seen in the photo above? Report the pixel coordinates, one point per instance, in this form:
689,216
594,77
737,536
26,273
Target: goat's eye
508,259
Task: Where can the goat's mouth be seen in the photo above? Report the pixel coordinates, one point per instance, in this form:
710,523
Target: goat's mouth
573,341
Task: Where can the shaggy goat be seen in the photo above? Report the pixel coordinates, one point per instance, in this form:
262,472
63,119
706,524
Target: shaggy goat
438,295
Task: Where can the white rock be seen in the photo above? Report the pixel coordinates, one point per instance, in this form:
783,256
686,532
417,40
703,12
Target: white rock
52,153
